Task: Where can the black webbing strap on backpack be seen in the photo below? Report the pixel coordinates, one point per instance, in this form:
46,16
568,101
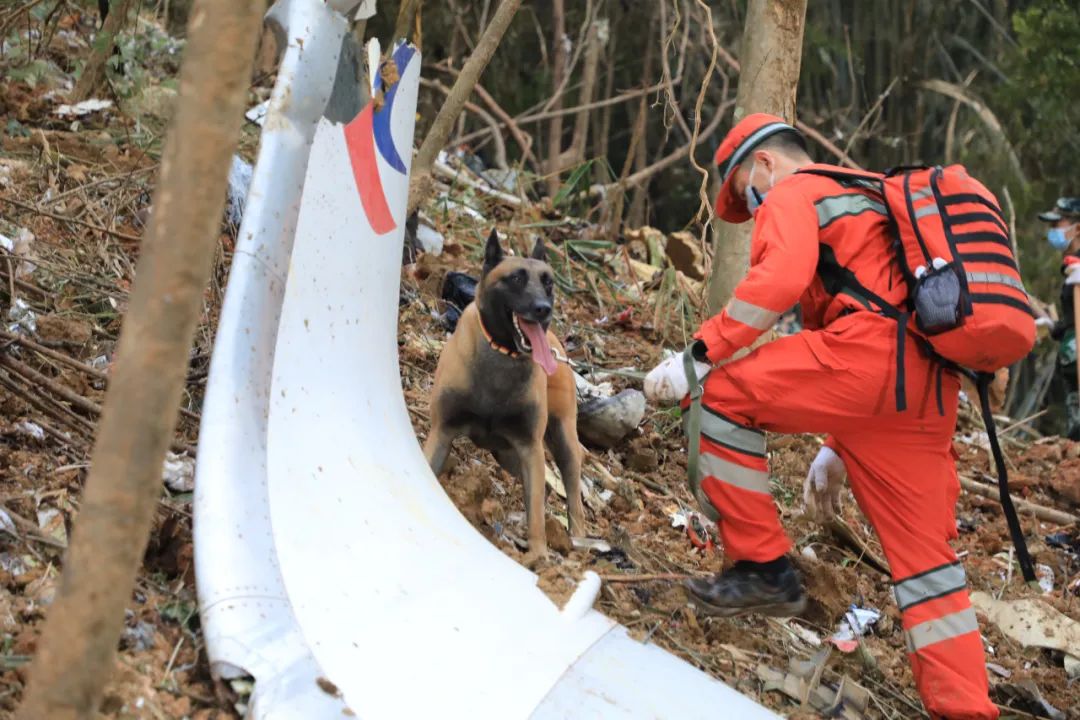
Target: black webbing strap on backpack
836,279
982,383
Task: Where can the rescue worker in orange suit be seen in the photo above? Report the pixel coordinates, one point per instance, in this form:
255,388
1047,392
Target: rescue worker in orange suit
841,376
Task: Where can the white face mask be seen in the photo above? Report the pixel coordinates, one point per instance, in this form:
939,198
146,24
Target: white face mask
755,197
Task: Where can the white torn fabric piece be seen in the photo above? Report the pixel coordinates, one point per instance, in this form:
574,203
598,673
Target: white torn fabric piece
84,108
178,473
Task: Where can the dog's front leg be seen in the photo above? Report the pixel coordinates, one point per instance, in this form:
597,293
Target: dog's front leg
437,448
535,486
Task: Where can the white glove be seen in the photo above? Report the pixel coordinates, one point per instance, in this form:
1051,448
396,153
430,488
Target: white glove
1072,274
821,489
1044,321
666,383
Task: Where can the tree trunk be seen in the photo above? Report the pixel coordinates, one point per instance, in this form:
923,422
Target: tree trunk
76,651
93,73
420,182
770,58
559,56
406,15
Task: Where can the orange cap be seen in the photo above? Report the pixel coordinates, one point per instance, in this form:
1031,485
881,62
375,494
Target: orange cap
747,134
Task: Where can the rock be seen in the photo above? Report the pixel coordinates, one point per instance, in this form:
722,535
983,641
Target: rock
651,242
684,251
603,422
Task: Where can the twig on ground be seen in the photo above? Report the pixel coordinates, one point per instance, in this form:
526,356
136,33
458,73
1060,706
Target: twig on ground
73,397
646,577
68,219
1043,513
50,353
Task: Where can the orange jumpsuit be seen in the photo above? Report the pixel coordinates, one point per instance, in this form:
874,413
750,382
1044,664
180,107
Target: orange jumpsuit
840,377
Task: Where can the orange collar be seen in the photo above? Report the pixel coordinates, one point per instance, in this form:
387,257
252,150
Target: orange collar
491,341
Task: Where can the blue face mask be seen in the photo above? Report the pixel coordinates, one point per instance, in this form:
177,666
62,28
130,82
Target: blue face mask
755,197
1057,237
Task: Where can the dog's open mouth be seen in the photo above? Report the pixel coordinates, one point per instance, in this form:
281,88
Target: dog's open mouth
531,337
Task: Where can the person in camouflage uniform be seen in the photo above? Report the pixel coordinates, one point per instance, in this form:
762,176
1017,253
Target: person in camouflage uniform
1064,235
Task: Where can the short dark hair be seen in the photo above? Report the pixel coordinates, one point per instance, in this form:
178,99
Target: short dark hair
789,142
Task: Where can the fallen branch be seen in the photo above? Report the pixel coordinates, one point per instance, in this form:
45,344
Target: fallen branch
460,177
55,411
65,218
50,353
1058,517
84,404
842,531
669,577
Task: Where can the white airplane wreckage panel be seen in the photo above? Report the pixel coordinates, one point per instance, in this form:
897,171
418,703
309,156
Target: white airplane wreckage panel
332,567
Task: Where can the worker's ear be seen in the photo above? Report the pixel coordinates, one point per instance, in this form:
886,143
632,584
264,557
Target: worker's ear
765,160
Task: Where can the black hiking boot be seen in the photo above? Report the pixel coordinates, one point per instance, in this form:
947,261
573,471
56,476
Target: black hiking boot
772,588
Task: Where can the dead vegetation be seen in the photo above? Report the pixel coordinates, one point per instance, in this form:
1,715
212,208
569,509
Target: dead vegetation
79,187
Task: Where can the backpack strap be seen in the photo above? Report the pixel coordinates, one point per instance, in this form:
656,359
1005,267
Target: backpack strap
838,279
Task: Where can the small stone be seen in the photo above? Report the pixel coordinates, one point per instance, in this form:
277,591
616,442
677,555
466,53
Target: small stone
604,422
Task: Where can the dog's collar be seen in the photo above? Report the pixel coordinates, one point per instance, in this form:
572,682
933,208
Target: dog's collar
509,352
559,357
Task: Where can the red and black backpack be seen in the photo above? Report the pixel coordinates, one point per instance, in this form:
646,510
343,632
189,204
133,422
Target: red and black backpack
966,302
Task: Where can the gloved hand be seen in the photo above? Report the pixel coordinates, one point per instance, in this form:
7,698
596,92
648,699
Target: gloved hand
821,489
666,383
1072,274
1044,321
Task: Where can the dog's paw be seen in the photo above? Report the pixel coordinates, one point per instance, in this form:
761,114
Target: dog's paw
535,559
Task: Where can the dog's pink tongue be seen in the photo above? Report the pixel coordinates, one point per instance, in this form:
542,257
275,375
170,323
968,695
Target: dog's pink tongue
541,351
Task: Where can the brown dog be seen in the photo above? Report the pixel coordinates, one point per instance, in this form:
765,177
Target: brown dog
499,382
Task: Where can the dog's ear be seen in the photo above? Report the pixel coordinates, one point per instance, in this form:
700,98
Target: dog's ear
539,251
493,252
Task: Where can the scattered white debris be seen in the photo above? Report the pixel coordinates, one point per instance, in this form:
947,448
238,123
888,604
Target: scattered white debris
257,114
446,203
856,623
31,429
239,181
679,519
178,473
1031,622
101,362
590,544
365,10
1045,574
22,247
808,552
51,522
807,635
22,317
429,239
84,108
6,523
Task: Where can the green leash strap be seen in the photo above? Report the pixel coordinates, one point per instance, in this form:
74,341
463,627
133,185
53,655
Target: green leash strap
693,435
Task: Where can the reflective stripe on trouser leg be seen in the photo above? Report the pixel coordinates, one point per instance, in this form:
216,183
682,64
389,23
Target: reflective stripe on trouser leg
737,485
944,644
